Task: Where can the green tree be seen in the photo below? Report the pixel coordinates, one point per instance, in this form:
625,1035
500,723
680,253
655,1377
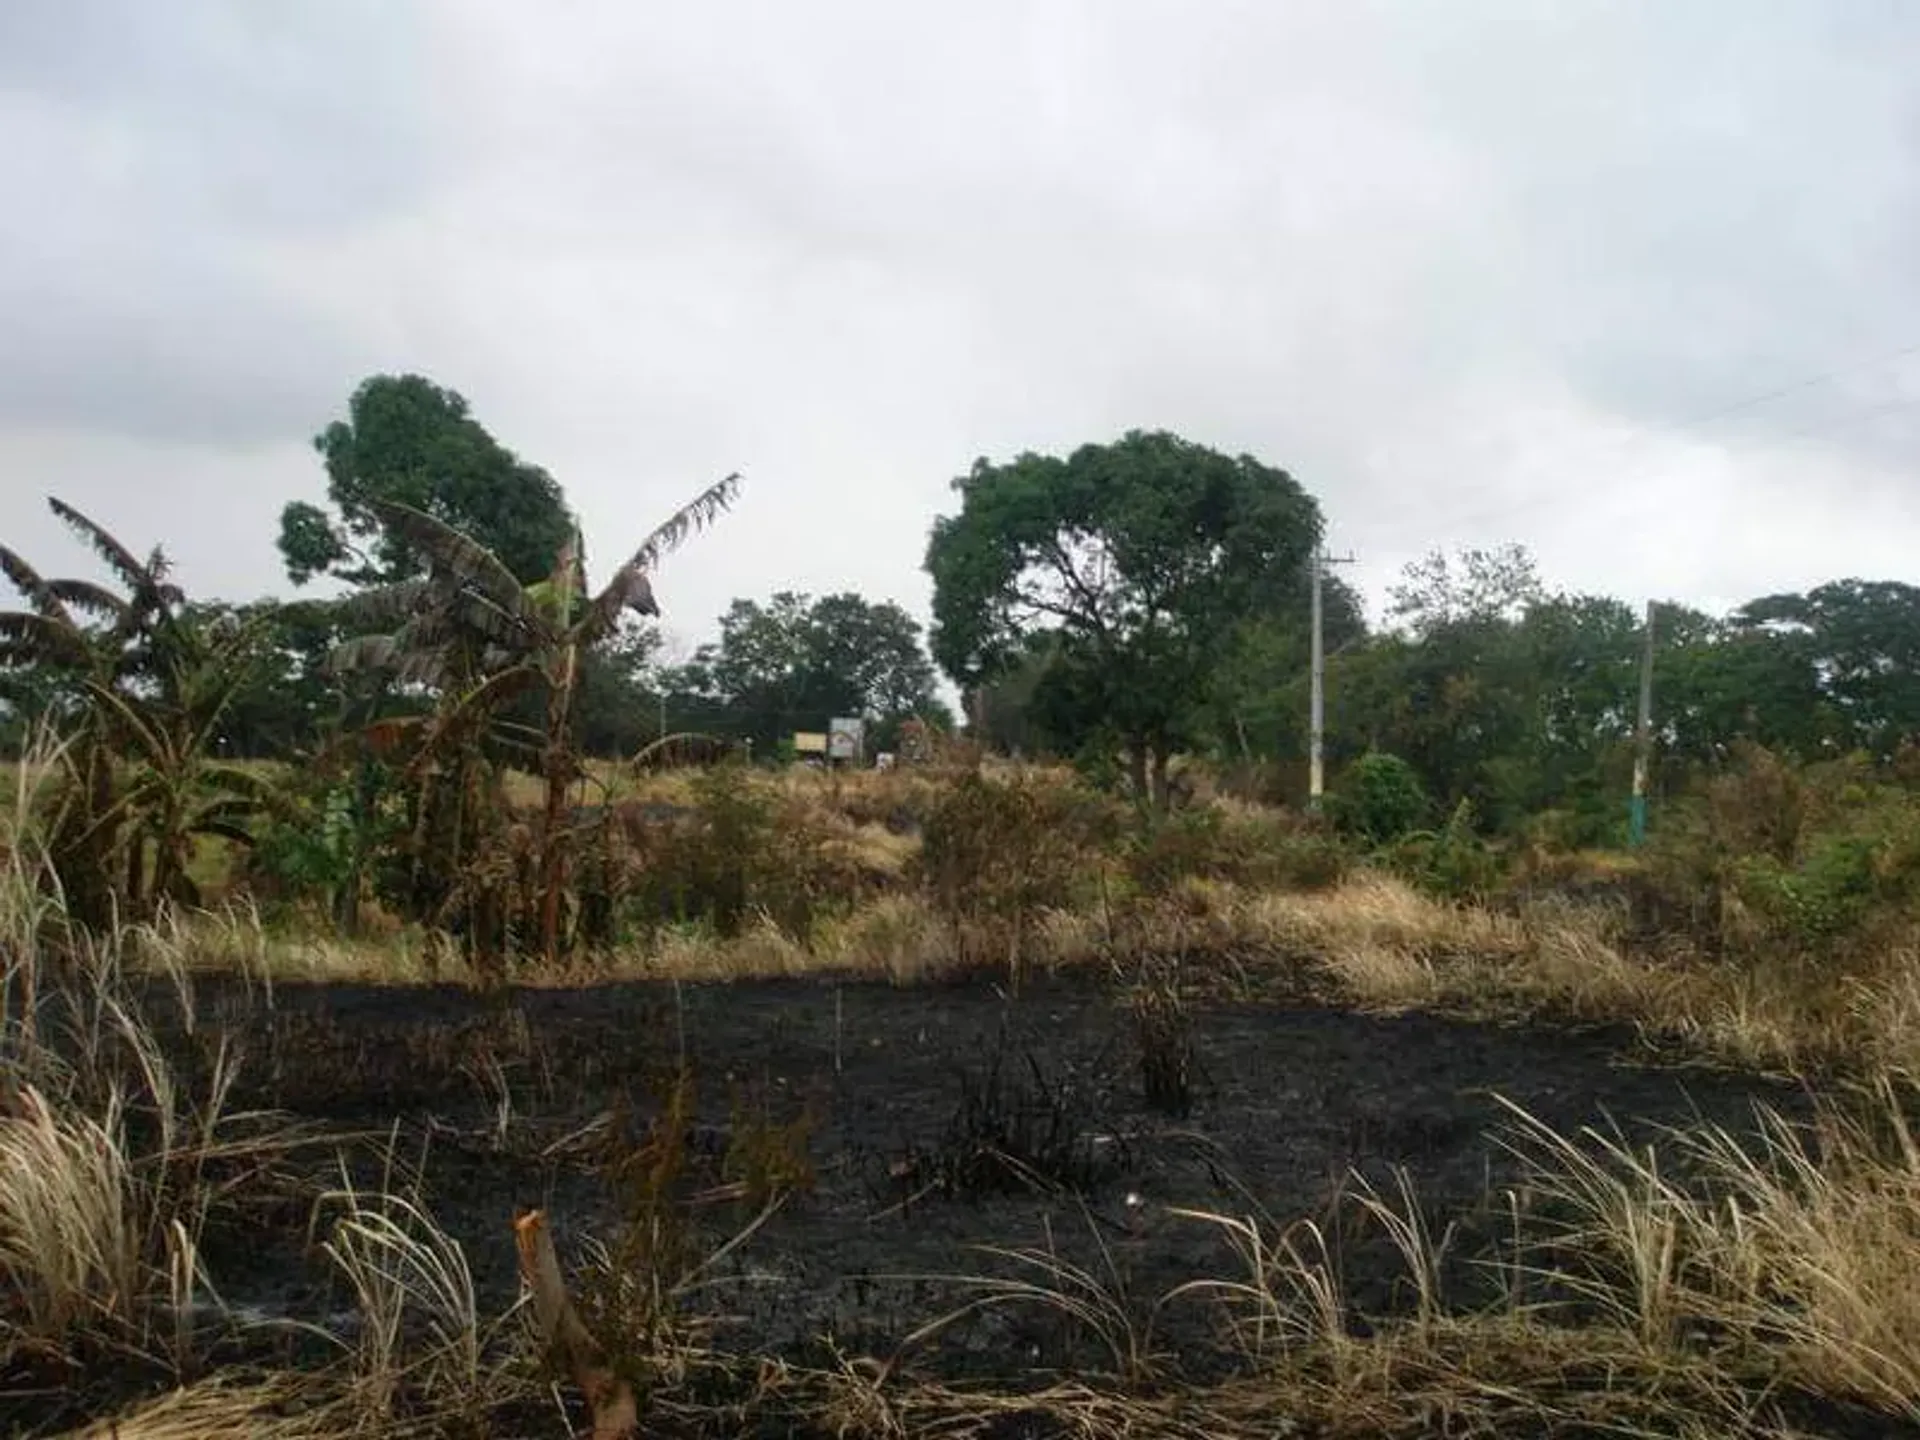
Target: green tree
796,662
1473,587
1263,691
407,441
618,704
1143,556
1498,692
286,700
1862,638
1722,680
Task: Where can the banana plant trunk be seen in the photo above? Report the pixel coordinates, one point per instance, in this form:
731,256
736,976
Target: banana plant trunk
557,762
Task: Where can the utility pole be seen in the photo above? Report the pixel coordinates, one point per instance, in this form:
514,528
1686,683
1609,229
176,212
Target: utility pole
1317,704
1642,741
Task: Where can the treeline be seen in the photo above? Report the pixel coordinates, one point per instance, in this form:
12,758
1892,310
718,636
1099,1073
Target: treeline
1146,599
1122,607
790,662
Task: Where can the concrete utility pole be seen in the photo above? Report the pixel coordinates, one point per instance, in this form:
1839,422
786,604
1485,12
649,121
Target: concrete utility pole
1642,741
1317,704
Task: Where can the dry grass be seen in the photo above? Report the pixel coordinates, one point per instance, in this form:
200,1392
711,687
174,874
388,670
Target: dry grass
1680,1291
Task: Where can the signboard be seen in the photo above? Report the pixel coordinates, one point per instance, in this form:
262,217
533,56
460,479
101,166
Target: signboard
845,738
809,742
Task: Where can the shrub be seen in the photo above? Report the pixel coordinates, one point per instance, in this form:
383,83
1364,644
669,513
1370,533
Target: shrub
1244,845
1452,862
996,853
1380,799
737,853
1769,860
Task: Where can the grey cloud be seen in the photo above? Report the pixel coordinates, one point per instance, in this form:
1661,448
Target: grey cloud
1467,269
160,161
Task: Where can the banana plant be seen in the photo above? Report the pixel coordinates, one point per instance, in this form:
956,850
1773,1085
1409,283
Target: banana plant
145,685
477,638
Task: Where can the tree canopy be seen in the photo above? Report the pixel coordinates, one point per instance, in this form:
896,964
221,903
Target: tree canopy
1144,558
409,442
796,662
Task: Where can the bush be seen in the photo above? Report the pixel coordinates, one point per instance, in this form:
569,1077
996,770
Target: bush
1380,799
1770,860
996,853
1453,862
739,852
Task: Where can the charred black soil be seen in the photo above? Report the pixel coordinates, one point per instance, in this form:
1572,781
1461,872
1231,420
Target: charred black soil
935,1121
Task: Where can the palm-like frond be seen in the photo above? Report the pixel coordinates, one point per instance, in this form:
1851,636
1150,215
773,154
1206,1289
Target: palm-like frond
479,615
40,593
451,553
89,599
222,828
458,713
247,785
630,588
146,740
404,657
362,653
28,637
386,604
677,528
119,559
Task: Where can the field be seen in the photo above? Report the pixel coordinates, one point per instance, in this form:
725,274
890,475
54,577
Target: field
1233,1143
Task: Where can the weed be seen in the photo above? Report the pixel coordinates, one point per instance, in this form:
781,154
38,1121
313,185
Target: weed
1163,1032
996,854
1017,1128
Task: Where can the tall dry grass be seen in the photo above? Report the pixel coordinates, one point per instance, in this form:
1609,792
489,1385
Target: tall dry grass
113,1165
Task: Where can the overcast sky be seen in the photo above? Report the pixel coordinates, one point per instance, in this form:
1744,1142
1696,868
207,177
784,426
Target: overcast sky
1473,272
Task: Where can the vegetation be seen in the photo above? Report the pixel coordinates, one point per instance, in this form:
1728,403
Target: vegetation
433,776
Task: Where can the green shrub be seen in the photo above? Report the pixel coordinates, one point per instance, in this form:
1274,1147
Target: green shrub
1380,799
1452,862
1259,848
738,853
1768,859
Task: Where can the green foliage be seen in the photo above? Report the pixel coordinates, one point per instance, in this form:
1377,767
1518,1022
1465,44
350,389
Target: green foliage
795,663
1768,860
309,851
323,837
1256,848
742,853
1380,799
1260,701
407,441
146,681
1144,558
482,641
1453,862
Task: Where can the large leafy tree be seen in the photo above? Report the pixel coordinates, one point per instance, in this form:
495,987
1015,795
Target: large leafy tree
1261,701
1719,680
796,662
1497,691
407,441
1862,638
1143,557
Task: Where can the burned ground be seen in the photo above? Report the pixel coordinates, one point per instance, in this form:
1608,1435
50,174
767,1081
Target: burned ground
935,1120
